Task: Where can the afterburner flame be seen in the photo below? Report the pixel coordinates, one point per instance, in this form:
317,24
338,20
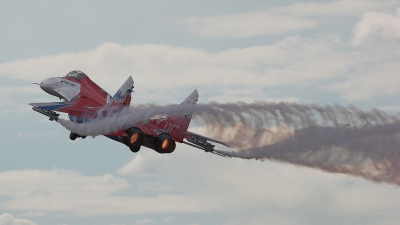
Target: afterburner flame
168,145
136,139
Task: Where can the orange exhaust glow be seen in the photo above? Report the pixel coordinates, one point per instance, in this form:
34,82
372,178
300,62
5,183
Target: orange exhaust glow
136,139
168,145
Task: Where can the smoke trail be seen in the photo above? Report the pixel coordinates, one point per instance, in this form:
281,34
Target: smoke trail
253,121
371,152
122,119
332,138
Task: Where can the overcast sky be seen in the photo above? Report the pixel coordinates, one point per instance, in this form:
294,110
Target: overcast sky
323,52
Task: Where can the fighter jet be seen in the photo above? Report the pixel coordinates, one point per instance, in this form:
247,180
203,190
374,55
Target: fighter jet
84,100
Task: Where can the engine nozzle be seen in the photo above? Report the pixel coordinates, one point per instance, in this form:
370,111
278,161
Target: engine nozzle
165,144
135,137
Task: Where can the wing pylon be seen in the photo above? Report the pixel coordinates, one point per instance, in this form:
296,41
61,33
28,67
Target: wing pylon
51,114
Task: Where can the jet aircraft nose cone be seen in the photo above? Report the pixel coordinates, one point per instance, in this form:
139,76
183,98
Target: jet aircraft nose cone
48,85
49,82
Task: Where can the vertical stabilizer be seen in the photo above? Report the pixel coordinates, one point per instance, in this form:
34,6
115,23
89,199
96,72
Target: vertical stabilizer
182,121
123,96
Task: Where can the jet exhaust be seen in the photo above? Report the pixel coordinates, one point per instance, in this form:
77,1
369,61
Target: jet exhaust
165,144
331,138
135,136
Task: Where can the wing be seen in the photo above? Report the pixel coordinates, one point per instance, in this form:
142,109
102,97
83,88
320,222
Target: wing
51,106
67,93
48,108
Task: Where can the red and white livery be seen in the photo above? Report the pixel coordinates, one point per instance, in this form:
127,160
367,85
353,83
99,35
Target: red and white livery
84,100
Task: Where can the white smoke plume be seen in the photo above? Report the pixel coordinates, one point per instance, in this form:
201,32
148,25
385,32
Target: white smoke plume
122,120
332,138
372,152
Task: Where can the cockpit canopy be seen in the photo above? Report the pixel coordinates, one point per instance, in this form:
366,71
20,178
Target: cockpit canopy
76,74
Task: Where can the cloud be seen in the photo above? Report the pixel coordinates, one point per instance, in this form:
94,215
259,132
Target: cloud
225,183
161,69
206,183
377,43
247,25
278,20
8,219
325,62
377,27
73,193
138,166
333,8
381,80
143,221
154,187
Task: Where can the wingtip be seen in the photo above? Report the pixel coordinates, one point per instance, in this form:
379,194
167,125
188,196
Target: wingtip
192,98
129,81
195,94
